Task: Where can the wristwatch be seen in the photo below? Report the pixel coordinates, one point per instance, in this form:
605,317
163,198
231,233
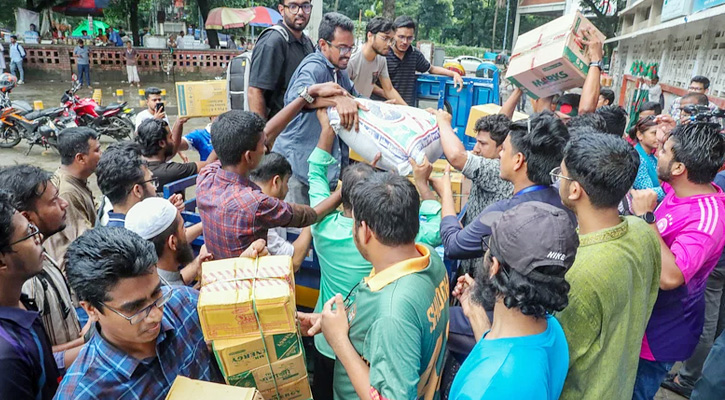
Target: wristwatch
648,217
597,64
306,95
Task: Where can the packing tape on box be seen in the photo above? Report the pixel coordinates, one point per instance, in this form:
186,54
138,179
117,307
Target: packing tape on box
538,44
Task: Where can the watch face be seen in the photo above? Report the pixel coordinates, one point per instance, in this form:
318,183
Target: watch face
649,217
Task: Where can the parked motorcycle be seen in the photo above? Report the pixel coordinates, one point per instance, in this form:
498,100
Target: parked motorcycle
37,127
114,120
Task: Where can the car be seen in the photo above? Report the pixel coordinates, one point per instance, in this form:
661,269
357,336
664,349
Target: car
470,63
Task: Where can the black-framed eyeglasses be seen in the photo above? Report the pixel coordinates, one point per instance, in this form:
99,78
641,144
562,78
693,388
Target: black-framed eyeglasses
141,315
348,299
556,175
343,49
295,8
154,181
34,232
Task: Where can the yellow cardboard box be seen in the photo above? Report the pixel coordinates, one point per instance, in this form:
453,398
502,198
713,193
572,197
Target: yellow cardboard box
190,389
286,370
235,356
297,390
483,110
201,98
231,289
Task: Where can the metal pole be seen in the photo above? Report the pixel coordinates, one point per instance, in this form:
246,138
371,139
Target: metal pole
506,25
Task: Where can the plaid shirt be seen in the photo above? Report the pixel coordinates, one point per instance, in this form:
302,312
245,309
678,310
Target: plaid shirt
234,211
102,371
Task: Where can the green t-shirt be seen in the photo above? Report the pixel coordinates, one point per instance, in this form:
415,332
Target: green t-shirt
614,283
399,326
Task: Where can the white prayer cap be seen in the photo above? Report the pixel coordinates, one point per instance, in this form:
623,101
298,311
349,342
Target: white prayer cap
150,217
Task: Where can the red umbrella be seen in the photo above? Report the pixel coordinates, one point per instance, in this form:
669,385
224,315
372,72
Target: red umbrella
82,7
227,18
264,16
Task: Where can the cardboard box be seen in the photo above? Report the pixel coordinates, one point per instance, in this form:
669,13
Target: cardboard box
232,288
484,110
297,390
286,371
190,389
201,98
235,356
547,60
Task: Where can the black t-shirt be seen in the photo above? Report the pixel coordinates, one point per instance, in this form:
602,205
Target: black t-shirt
171,172
402,72
274,62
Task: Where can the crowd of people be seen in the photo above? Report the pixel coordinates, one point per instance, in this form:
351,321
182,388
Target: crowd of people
591,258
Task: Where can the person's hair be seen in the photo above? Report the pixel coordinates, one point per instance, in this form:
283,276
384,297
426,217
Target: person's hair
701,147
26,183
72,141
651,106
615,117
604,165
181,33
581,130
656,78
641,126
388,203
700,99
119,169
159,241
591,120
351,176
149,135
404,21
608,95
234,133
541,140
153,90
84,31
273,164
701,79
80,41
532,298
98,259
14,37
496,125
377,25
7,211
332,21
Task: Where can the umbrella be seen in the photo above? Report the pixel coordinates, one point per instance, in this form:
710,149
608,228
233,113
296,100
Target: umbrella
91,32
264,16
82,7
226,18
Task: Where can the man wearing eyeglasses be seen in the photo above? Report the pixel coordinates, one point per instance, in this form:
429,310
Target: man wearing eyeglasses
28,368
698,84
278,52
148,332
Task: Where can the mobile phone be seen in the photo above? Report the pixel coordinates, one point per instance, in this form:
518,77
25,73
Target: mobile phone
160,107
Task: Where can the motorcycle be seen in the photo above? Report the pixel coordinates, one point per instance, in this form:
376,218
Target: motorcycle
37,127
114,120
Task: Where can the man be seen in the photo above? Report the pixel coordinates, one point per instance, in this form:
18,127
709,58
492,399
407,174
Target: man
523,354
82,56
114,37
368,65
698,84
341,264
101,37
80,152
389,334
159,222
299,138
615,118
132,57
272,176
649,108
180,41
698,100
655,91
199,140
17,56
85,36
615,278
148,332
29,370
404,60
275,58
606,97
152,111
31,35
691,223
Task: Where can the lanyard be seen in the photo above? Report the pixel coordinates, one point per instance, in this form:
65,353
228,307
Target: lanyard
530,189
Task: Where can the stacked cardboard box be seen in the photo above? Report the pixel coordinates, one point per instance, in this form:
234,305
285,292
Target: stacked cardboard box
190,389
201,98
247,309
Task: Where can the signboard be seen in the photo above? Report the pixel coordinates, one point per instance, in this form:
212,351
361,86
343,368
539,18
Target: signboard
699,5
672,9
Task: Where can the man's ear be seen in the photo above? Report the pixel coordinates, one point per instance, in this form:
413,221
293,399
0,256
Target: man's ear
172,242
90,310
277,181
367,234
519,161
576,191
495,267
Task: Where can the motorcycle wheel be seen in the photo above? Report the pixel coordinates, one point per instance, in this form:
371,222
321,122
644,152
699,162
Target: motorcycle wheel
9,137
119,128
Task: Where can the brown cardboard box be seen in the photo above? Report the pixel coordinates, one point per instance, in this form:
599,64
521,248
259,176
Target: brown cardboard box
201,98
547,60
286,371
483,110
190,389
297,390
235,356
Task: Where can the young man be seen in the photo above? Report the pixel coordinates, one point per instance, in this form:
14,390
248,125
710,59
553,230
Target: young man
615,278
275,58
153,97
649,108
606,98
690,99
655,91
17,55
389,333
272,176
691,224
148,332
82,56
616,119
341,264
368,65
523,354
159,222
26,358
80,152
299,138
132,57
404,60
699,85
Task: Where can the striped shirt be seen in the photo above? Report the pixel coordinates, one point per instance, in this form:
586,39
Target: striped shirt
402,72
102,371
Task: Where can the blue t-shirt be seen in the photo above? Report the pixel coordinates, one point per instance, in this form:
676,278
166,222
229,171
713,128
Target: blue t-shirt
528,367
200,140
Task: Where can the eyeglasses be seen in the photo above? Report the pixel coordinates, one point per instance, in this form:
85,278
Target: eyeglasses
343,49
406,39
696,89
141,315
154,181
348,299
34,232
556,175
294,8
386,39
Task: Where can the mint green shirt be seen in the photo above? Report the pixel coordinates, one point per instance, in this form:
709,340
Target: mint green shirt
341,265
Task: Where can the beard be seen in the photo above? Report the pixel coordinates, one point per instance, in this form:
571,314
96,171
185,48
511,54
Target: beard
294,25
665,174
484,292
168,152
185,254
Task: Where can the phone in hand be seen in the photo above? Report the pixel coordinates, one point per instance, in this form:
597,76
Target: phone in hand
160,107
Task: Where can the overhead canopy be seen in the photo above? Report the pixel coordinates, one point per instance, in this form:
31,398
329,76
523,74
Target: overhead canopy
82,8
91,32
227,18
264,16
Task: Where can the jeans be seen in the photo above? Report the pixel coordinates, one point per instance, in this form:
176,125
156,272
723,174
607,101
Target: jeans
15,67
711,385
650,375
84,69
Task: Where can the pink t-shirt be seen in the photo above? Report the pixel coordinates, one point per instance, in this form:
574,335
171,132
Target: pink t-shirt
694,230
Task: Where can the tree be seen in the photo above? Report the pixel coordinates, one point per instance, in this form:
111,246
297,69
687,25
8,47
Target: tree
389,9
39,5
606,14
120,9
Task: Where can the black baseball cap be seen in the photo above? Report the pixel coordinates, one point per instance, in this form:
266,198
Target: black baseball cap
531,235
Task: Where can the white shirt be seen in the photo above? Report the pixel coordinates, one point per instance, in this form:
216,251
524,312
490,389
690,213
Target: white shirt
146,114
277,243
